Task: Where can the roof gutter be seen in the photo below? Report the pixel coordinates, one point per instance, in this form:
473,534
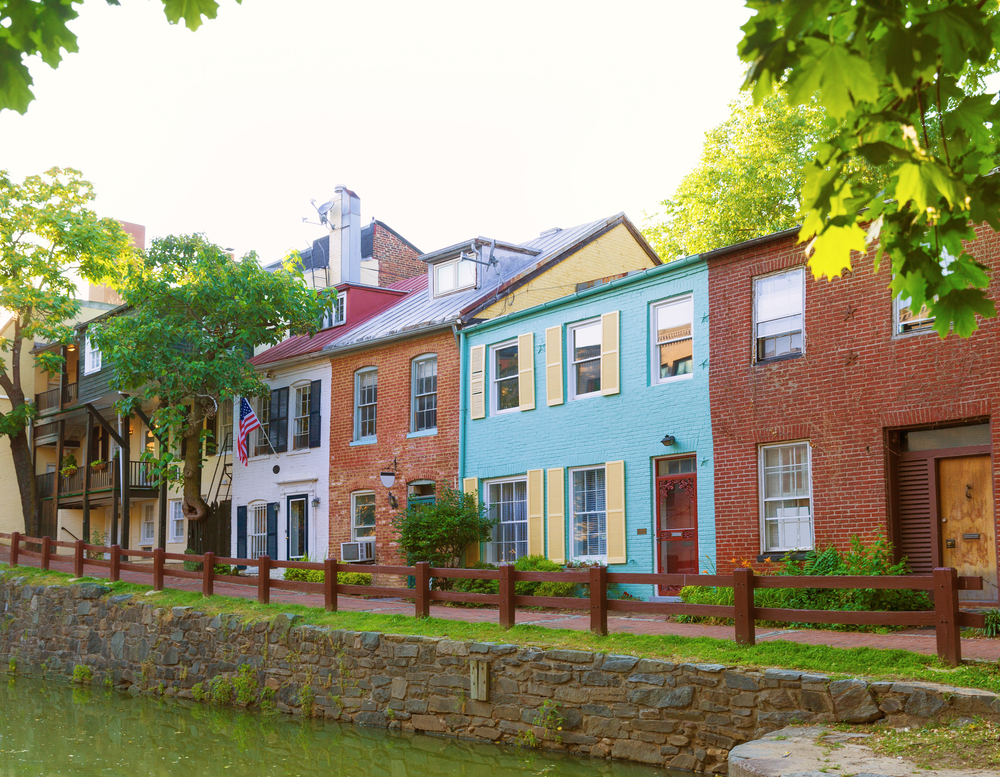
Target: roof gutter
652,272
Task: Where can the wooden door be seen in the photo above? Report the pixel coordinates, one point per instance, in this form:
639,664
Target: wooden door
677,518
965,509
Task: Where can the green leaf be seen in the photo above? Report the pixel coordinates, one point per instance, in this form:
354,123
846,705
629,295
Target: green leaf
840,78
830,252
960,306
191,11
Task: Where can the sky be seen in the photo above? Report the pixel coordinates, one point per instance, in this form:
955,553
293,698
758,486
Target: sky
449,119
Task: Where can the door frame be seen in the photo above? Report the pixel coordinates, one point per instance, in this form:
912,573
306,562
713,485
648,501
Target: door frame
657,533
288,524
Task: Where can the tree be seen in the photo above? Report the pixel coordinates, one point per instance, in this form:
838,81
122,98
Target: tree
194,317
30,27
746,183
46,234
440,533
904,81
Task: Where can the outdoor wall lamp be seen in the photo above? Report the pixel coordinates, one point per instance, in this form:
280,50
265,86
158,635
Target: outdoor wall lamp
315,501
668,440
388,476
393,502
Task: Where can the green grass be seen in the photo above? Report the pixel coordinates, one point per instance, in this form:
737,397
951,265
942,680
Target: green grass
822,659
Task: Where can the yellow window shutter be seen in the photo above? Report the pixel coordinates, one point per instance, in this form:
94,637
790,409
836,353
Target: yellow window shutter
553,366
614,480
557,516
526,371
471,486
610,378
477,380
536,523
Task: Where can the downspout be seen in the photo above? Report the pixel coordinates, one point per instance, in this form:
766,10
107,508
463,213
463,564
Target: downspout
460,334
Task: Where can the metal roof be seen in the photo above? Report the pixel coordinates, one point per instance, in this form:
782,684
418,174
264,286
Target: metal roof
421,310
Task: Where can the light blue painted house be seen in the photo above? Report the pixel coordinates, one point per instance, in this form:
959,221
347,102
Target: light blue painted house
586,425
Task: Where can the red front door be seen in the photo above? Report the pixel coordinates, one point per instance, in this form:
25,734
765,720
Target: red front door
677,518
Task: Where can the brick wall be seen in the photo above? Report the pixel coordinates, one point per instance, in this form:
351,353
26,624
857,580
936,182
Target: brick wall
396,259
430,457
854,381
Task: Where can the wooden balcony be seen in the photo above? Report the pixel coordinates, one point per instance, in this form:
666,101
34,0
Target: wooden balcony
48,401
102,480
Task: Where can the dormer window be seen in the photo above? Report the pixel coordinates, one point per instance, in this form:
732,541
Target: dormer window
335,316
454,275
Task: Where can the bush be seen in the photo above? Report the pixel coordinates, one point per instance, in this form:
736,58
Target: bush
319,576
992,626
439,533
522,587
197,566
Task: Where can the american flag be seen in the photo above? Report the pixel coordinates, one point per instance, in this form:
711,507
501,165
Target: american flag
248,422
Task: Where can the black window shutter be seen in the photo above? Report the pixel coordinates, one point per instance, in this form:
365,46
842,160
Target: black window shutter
279,420
241,532
272,529
314,404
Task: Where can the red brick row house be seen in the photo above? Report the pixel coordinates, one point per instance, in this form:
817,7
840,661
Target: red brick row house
838,411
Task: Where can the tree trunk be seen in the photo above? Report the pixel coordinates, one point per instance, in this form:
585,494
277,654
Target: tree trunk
26,482
194,507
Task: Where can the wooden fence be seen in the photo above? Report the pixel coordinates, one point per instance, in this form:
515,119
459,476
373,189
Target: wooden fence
943,585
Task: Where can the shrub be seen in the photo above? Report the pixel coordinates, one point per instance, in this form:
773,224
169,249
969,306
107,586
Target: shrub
992,626
319,576
96,538
439,533
522,587
197,566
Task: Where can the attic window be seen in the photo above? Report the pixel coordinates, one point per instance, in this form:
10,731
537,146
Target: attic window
455,275
336,315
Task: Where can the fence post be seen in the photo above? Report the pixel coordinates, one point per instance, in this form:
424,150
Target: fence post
599,600
157,569
15,543
116,564
743,607
208,574
46,551
422,604
949,643
506,596
78,558
330,584
264,579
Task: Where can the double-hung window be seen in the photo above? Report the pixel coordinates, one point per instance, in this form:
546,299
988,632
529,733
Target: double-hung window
503,366
261,446
362,515
786,496
778,314
302,408
508,505
454,275
365,403
335,315
91,357
590,514
226,426
585,359
176,521
673,345
424,383
148,524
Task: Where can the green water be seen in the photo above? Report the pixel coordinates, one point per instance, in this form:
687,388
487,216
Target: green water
55,729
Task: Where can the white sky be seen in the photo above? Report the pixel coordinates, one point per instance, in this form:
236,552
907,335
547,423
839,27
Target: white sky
449,119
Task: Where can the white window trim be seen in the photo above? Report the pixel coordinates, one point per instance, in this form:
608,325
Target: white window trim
760,496
354,517
91,362
433,269
256,542
172,521
337,316
293,391
571,361
571,512
304,498
426,357
258,437
221,449
144,538
753,330
490,546
654,346
357,405
494,388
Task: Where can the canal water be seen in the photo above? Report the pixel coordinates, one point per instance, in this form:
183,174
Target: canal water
56,729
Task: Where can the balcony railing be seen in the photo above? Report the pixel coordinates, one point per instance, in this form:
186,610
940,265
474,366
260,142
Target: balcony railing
48,401
46,485
141,475
102,478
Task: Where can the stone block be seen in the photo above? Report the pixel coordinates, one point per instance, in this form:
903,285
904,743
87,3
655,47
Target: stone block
602,727
922,704
853,702
633,750
740,681
652,666
648,679
661,698
569,656
619,663
600,678
427,723
683,761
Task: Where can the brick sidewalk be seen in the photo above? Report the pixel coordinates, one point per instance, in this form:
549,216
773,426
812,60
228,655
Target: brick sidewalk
915,640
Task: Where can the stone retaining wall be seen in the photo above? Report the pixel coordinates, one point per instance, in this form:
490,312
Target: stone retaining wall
685,716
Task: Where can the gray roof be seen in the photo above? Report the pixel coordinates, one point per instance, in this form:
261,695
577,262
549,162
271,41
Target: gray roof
421,310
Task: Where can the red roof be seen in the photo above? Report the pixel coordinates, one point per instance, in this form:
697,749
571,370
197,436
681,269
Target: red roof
363,303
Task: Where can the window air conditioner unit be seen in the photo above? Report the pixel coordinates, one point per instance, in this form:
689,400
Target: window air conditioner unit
353,552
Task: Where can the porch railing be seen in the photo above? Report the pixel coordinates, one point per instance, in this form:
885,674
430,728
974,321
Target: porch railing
48,401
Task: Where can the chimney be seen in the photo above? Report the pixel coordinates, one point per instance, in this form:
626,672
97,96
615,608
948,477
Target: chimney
345,247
